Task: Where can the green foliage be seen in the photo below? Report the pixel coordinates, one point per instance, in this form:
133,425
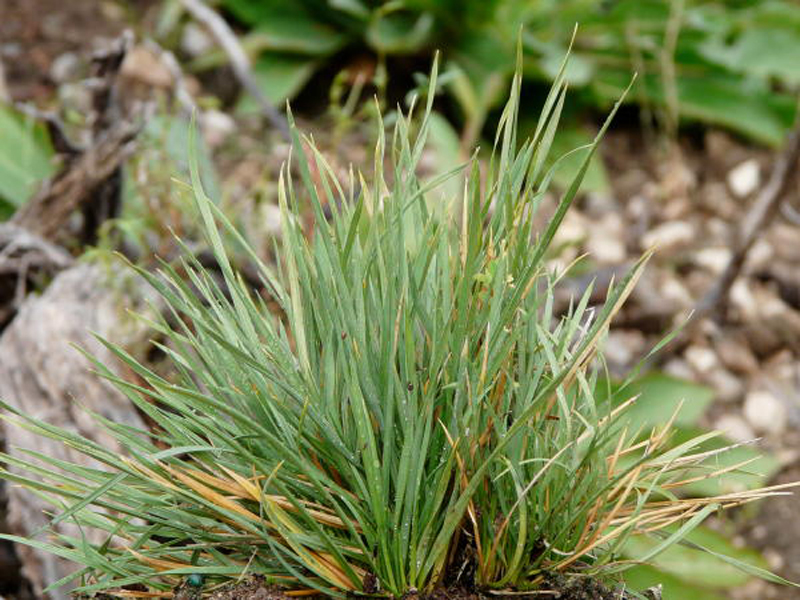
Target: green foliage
688,573
738,467
412,403
731,63
26,158
661,396
700,568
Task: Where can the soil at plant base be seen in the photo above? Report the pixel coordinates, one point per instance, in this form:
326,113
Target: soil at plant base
254,588
559,587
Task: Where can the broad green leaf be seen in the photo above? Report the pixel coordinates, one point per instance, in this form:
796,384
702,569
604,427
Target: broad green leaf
446,146
288,34
641,577
281,77
697,567
578,73
748,107
26,158
357,8
481,69
754,111
761,52
660,395
572,135
549,56
399,32
291,26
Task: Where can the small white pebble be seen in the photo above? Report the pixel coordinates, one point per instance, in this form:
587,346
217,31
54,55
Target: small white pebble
774,558
606,243
765,412
678,368
742,299
668,236
759,255
672,290
713,259
65,67
217,126
701,359
623,347
735,428
573,228
744,178
728,387
271,216
195,41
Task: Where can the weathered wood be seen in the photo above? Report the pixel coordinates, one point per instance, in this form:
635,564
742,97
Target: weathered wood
90,177
24,257
42,375
47,212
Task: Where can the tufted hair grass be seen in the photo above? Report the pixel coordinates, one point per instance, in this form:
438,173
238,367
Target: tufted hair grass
413,414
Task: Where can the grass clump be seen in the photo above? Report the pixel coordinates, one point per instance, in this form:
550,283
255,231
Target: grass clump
415,414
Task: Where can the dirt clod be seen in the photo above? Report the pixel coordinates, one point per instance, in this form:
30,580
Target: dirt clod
253,588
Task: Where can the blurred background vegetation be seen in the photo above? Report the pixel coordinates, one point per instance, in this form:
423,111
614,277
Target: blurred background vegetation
725,63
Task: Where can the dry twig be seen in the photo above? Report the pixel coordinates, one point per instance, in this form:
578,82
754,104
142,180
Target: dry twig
239,61
48,211
766,206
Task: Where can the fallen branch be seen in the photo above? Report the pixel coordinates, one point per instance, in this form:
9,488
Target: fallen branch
18,246
47,212
90,176
24,257
182,94
239,61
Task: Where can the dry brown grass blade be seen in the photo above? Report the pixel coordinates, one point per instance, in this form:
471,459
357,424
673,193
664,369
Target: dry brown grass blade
213,496
319,562
238,487
711,475
320,513
598,504
135,594
150,473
